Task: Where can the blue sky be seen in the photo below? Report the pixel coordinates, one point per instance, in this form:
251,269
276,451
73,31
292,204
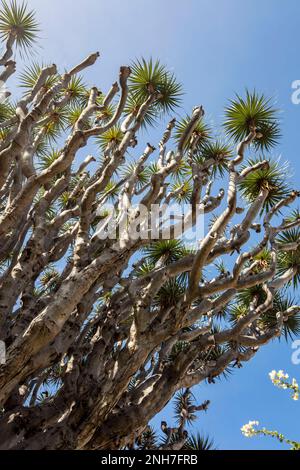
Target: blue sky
215,48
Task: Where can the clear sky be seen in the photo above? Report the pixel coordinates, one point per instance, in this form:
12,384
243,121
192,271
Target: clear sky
215,48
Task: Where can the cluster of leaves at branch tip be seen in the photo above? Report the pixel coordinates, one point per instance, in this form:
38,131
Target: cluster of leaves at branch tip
100,335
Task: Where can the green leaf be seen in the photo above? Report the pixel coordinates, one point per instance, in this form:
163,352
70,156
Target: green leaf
76,90
202,130
289,259
132,107
147,77
17,20
291,327
218,151
7,111
165,251
254,110
183,191
112,189
170,293
142,177
198,442
148,439
30,75
183,403
113,136
46,161
274,179
56,123
73,114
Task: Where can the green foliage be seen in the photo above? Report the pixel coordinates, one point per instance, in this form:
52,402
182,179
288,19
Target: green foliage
179,347
7,111
202,130
151,169
48,280
64,200
246,296
148,77
274,179
184,407
218,151
242,114
111,190
30,75
3,134
55,124
263,258
199,442
291,325
236,312
181,171
293,216
170,293
132,107
45,161
73,114
15,19
142,177
76,91
162,253
165,251
282,301
183,191
113,136
291,258
215,354
148,439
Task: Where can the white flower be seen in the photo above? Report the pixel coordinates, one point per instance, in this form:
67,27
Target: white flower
278,378
248,429
282,375
273,375
295,396
294,383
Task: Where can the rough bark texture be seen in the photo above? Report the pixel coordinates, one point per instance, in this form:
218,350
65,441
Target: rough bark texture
79,310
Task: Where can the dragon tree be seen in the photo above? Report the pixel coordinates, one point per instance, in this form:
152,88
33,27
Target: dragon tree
107,310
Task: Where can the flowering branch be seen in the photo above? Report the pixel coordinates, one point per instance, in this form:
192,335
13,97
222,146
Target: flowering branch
280,379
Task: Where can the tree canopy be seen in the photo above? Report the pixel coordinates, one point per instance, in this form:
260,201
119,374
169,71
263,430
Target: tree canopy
102,327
